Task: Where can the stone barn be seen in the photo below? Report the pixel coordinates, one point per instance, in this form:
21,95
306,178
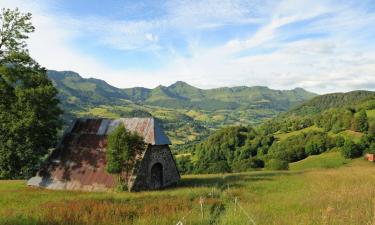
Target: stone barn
79,161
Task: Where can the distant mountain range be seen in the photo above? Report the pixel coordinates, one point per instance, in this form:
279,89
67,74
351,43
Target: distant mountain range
76,90
188,113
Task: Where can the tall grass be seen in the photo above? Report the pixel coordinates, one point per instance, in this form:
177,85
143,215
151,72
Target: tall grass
320,196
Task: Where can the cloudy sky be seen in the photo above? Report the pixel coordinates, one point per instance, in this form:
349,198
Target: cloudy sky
320,45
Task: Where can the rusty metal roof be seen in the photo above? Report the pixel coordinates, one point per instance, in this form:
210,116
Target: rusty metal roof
79,161
148,128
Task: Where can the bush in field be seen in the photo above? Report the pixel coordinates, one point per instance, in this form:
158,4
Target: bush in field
247,164
215,167
360,122
350,150
184,164
367,143
315,145
277,164
340,140
123,147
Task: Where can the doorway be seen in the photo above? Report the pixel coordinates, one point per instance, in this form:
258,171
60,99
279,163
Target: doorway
157,176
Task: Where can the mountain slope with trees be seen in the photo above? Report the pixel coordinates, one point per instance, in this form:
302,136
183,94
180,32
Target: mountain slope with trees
348,127
180,95
188,113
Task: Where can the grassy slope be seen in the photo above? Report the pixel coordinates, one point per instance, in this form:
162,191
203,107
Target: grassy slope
283,136
332,159
318,196
371,113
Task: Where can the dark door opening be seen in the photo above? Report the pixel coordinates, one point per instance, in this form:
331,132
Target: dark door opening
157,176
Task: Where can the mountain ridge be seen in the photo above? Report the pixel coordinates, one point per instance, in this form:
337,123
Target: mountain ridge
188,113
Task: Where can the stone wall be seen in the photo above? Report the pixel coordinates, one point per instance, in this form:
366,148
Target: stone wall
155,154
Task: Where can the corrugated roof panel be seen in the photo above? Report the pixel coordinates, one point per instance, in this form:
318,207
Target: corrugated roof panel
148,128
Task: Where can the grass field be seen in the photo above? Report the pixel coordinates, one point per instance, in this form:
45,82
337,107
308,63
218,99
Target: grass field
331,159
343,195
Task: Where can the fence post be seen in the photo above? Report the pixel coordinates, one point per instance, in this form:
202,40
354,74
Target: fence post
201,203
235,205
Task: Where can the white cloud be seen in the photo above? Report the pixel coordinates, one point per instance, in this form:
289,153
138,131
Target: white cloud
342,60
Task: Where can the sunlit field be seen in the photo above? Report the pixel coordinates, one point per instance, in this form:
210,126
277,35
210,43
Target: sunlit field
314,196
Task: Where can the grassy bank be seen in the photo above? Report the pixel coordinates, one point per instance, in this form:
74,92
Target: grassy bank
317,196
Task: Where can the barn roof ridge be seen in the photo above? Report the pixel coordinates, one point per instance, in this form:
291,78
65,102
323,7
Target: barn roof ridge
147,127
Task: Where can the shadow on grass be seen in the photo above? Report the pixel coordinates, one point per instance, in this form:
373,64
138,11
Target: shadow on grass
232,180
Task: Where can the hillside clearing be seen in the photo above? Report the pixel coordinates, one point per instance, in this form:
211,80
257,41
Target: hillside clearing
332,159
283,136
319,196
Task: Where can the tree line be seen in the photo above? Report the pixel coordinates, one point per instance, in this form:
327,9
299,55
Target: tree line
235,149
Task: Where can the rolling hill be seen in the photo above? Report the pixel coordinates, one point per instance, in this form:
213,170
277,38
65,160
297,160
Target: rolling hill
180,95
321,103
319,125
188,113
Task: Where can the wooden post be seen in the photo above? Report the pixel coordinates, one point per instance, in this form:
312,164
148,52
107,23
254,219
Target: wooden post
201,203
235,205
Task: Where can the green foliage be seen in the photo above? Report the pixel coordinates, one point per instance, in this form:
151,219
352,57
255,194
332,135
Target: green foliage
367,143
123,147
188,113
371,129
316,145
331,159
371,148
350,150
247,164
184,165
14,29
277,164
228,148
299,146
360,122
335,100
340,141
29,111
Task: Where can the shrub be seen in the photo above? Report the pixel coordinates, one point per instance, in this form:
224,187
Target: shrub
371,148
123,146
218,167
184,164
340,141
350,150
277,164
247,164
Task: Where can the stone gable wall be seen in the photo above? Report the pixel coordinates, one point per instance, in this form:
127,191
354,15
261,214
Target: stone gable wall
155,154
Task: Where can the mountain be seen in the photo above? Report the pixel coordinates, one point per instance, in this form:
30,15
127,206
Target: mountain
80,91
188,113
76,91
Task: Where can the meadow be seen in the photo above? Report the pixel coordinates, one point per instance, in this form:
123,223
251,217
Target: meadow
309,193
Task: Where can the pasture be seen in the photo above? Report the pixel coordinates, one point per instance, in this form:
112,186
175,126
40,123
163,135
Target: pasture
304,195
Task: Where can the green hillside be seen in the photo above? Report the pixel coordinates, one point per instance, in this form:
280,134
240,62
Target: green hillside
178,95
335,100
290,138
332,159
189,114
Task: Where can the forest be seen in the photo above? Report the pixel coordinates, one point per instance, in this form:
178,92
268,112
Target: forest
313,128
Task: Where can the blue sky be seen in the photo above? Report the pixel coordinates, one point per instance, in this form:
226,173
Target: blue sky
322,45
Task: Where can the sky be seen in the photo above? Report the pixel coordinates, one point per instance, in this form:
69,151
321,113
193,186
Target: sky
320,45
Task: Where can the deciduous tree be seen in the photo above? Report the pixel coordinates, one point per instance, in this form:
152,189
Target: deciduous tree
29,108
